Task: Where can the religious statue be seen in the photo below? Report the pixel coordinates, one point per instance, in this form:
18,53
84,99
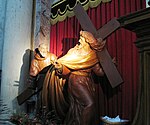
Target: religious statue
68,87
39,66
42,59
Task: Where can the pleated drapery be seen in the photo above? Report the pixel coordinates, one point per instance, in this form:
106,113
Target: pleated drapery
64,8
122,100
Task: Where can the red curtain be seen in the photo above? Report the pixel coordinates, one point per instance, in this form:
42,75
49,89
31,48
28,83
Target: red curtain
122,100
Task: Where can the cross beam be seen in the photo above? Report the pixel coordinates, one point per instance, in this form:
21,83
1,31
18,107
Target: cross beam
105,59
103,56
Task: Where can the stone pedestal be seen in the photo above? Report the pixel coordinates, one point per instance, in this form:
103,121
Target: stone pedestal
139,22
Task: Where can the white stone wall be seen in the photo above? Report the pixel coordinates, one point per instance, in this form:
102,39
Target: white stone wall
16,51
2,26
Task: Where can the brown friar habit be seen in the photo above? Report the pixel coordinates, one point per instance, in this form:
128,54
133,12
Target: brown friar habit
70,105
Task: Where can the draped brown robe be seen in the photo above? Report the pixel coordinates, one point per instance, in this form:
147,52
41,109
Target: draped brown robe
55,97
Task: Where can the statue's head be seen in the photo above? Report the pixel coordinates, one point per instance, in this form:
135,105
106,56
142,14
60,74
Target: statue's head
88,37
43,49
92,41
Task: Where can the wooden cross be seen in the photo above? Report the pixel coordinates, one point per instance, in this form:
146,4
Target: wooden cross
103,56
105,59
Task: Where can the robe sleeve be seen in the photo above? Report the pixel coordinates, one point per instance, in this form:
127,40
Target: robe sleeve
97,69
34,70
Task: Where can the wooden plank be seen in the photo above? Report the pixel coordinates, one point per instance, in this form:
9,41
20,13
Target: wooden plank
108,66
108,29
25,95
84,19
28,92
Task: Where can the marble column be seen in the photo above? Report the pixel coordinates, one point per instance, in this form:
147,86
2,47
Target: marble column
42,22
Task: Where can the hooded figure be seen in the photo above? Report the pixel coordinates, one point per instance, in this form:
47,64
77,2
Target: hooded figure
42,59
76,106
39,66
